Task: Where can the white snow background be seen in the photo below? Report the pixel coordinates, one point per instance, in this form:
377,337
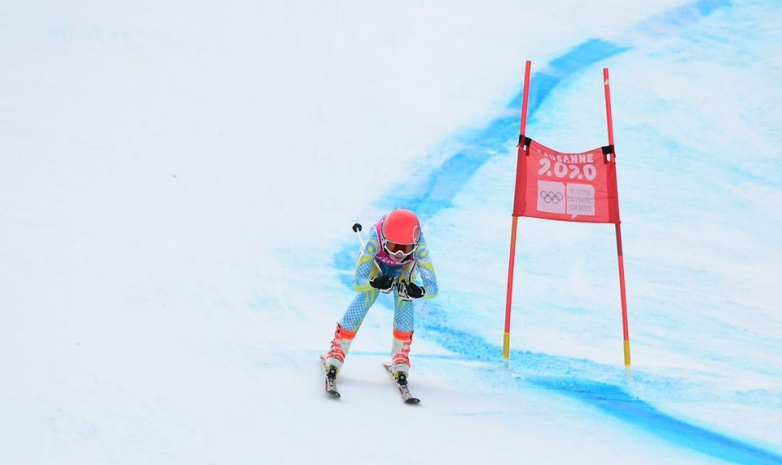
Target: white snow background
178,181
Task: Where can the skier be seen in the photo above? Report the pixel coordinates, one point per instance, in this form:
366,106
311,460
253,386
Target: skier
394,249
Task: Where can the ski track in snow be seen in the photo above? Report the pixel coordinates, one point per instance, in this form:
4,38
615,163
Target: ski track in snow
571,377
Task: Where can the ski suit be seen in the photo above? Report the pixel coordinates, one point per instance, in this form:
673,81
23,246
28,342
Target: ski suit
373,253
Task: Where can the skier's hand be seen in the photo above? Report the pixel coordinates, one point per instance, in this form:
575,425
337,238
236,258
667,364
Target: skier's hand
383,283
411,290
415,291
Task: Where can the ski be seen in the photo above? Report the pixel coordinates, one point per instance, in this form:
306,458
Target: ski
330,384
404,390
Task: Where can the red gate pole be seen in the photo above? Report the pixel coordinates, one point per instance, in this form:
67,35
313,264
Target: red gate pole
619,253
512,259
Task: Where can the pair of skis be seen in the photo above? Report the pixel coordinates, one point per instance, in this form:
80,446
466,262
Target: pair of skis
330,384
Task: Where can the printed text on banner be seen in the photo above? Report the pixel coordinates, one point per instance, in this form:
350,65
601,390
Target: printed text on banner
566,186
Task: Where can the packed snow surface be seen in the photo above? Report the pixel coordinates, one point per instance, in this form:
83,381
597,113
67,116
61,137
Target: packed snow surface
178,181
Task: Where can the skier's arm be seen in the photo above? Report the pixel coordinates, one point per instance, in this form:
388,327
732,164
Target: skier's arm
426,270
365,267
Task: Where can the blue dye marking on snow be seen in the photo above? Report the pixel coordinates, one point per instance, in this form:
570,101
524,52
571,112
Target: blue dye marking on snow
364,353
446,181
557,374
617,403
560,374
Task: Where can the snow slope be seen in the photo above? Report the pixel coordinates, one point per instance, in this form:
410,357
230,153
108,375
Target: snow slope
178,180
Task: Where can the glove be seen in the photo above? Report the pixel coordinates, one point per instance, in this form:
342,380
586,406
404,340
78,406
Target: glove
410,290
383,283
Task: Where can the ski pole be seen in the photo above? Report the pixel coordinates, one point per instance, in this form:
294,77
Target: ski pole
357,229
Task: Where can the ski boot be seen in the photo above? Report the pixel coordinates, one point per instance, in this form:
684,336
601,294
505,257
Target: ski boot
400,361
339,350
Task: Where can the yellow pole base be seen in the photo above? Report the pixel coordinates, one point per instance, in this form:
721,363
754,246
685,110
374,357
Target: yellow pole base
628,372
506,347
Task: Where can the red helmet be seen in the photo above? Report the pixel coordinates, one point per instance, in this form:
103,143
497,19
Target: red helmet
402,227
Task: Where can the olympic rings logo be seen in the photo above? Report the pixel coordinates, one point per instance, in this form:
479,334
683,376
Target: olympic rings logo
551,197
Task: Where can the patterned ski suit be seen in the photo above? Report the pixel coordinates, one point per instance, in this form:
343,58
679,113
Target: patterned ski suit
372,254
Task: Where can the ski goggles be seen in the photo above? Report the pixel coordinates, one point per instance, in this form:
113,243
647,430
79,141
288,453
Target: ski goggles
399,250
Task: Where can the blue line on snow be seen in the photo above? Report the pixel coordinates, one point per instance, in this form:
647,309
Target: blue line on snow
449,179
617,403
494,140
559,374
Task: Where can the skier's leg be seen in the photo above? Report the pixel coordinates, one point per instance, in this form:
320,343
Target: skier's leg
358,309
403,335
348,326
